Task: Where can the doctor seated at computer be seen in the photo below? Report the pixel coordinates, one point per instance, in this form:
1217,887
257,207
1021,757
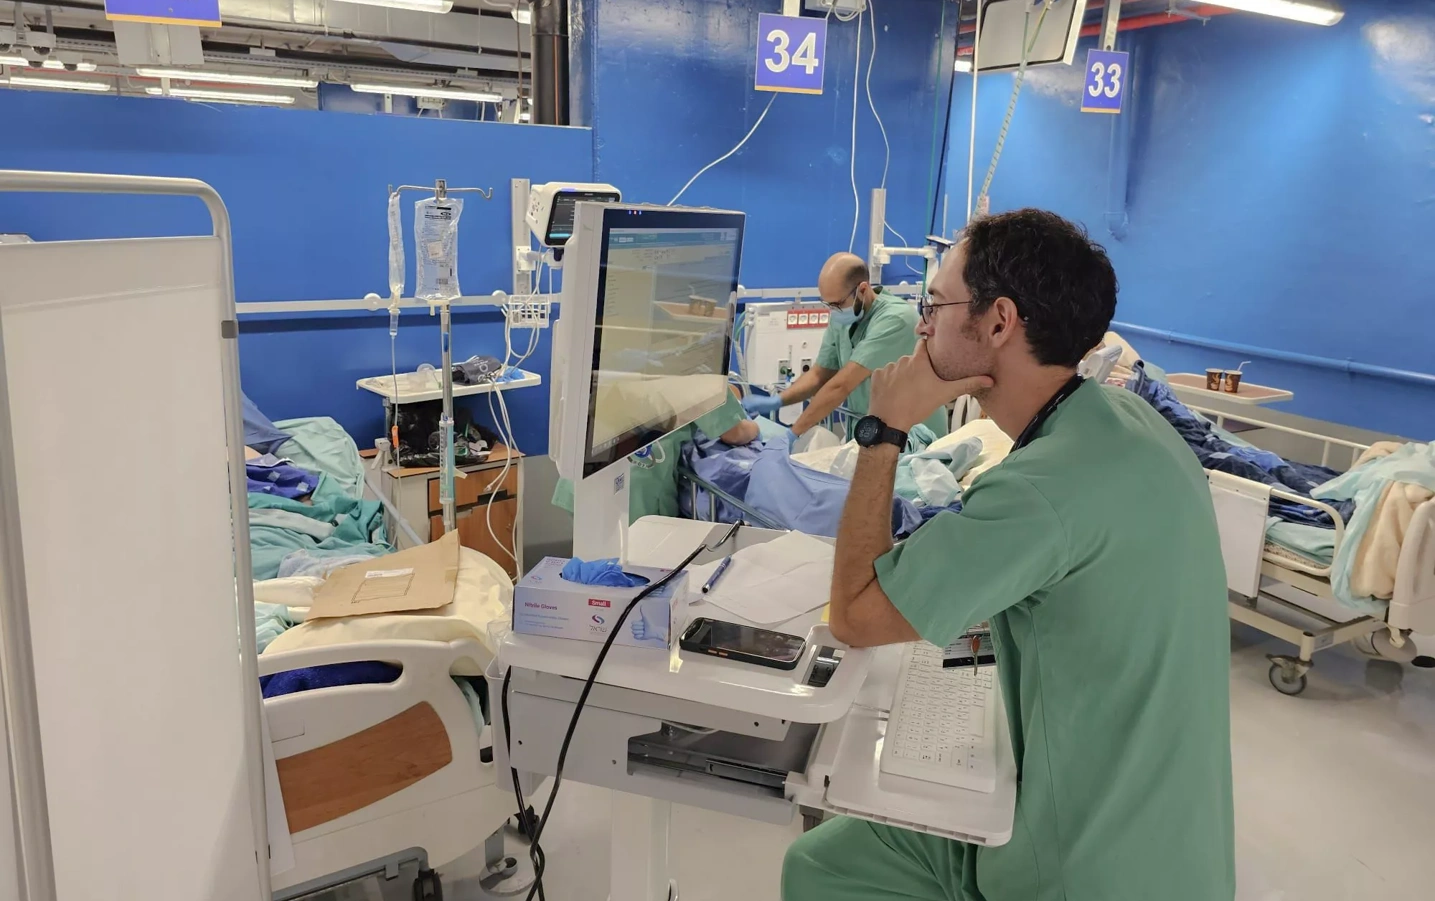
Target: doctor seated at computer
1092,550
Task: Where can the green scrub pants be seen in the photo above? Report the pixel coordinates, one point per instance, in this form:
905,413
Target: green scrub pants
854,860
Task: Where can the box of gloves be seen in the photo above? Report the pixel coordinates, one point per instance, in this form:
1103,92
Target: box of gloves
546,603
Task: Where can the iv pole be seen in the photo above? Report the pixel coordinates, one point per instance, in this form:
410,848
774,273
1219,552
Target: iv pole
447,462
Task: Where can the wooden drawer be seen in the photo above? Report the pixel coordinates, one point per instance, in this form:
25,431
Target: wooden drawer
473,531
478,486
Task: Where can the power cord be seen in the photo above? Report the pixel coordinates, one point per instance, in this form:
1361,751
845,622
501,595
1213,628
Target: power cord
735,149
852,156
535,831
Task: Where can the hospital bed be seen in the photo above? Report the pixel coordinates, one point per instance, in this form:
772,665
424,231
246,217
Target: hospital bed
374,775
1261,571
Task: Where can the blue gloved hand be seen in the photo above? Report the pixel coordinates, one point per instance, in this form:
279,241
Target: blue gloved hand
791,439
645,629
600,572
761,404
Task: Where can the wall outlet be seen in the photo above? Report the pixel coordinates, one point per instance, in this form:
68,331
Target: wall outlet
429,102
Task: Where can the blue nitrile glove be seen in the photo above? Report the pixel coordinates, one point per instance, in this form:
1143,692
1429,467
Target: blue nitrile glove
600,572
761,404
648,630
791,440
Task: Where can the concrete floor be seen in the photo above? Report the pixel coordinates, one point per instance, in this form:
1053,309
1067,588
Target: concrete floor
1335,798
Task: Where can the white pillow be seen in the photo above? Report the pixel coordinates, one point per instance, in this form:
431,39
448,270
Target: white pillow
484,594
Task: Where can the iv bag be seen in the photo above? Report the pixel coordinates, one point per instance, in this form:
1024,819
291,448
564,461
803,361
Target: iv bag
436,248
396,248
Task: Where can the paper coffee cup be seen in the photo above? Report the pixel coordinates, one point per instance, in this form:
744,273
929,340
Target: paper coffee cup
1214,378
1233,381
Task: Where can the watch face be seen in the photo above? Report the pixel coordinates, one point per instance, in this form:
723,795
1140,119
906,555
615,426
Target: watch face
869,428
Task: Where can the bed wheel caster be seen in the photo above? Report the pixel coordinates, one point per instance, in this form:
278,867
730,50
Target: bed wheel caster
1288,676
427,886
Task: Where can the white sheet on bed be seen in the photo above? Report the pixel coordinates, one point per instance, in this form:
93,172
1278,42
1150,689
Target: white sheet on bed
484,595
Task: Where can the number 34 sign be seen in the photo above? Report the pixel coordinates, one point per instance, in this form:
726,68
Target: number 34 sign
1106,77
790,53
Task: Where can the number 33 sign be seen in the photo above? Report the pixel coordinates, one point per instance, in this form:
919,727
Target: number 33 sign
1106,77
790,53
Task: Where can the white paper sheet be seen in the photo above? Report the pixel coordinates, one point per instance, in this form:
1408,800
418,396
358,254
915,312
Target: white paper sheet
771,582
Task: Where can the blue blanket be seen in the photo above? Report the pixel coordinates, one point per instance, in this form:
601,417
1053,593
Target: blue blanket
1221,455
786,494
367,672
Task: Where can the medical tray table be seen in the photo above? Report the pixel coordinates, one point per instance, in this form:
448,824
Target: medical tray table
766,743
414,387
1194,385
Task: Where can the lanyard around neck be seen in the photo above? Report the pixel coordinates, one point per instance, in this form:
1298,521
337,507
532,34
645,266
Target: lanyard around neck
1028,434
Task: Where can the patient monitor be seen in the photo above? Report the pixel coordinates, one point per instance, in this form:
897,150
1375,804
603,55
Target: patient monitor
640,349
551,208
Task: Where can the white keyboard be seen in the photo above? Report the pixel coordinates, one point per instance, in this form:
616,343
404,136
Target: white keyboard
943,723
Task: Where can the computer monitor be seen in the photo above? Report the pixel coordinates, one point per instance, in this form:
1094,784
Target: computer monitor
645,329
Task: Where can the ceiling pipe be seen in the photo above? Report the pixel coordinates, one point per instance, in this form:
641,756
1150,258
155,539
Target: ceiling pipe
1136,23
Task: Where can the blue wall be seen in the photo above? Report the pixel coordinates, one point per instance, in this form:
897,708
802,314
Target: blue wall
1281,194
667,88
306,195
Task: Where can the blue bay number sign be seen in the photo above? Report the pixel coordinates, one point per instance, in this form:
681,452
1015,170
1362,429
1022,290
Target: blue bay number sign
1106,77
791,51
164,12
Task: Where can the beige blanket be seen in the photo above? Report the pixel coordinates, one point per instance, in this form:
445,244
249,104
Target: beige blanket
1377,558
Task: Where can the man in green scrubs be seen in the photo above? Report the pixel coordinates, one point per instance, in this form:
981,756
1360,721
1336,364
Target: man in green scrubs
1093,552
653,486
867,328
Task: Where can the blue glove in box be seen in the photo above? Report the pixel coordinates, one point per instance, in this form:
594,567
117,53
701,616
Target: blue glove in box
545,603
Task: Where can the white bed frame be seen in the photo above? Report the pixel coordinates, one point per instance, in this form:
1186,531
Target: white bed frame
447,813
437,819
1259,573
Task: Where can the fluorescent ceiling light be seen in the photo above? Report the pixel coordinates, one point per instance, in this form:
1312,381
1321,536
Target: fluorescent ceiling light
282,81
58,65
419,91
423,6
14,61
23,81
221,96
523,15
964,65
1315,13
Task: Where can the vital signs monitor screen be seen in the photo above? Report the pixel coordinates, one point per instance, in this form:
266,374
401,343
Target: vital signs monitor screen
664,323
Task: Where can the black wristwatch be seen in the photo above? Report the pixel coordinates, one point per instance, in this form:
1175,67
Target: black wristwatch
872,431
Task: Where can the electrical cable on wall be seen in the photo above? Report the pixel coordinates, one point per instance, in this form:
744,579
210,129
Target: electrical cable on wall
852,157
886,144
735,149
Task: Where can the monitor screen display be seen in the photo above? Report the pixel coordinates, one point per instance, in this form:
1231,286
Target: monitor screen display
565,205
666,288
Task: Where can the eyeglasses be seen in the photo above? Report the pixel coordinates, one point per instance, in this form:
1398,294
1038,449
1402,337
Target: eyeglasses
837,304
925,307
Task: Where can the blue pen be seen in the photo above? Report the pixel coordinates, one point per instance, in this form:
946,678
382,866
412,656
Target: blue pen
722,568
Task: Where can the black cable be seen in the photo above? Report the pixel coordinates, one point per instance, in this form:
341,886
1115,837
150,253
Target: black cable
535,852
525,817
947,128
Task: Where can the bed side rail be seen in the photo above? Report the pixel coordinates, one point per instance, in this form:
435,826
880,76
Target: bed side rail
1330,446
693,482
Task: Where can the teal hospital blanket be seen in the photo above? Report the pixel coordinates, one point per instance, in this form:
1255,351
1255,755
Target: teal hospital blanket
350,527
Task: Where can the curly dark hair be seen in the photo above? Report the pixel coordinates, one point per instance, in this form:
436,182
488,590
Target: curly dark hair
1060,280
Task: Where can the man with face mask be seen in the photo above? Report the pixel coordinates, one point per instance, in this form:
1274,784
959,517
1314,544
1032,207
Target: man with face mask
866,329
1092,551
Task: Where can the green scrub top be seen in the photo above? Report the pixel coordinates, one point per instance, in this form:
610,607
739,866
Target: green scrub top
1094,553
653,486
886,332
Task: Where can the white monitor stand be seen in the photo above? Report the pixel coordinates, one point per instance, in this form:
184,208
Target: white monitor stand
600,513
